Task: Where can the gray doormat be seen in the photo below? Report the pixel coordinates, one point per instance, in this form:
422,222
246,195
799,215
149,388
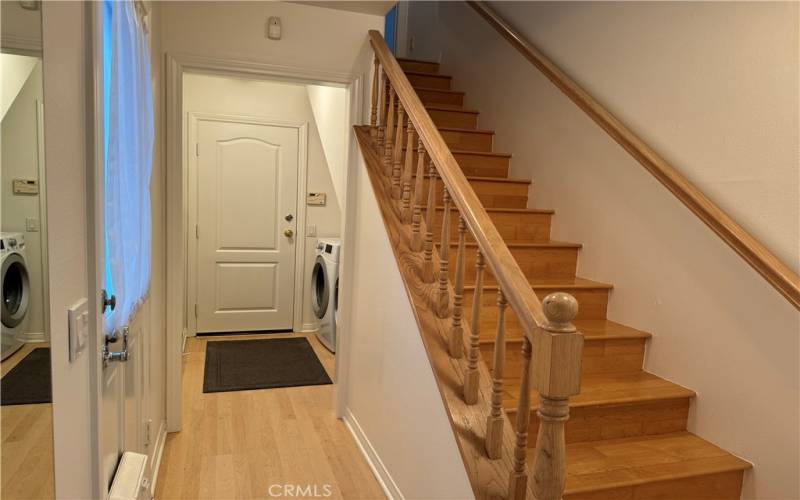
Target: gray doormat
242,365
29,381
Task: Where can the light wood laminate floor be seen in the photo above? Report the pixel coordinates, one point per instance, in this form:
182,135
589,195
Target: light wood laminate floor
27,443
250,444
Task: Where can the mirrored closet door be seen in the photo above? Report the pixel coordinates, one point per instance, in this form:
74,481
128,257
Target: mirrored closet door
27,421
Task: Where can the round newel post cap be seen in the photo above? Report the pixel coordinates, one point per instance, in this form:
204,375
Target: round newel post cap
560,309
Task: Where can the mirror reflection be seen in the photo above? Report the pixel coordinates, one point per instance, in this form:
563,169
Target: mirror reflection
27,430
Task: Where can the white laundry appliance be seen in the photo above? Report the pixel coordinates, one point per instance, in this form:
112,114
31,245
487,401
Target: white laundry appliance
16,291
325,290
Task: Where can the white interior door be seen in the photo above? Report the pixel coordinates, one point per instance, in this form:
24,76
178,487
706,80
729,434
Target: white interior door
246,225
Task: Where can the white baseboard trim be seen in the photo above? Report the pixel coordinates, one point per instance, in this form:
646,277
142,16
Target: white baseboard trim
158,451
381,473
310,327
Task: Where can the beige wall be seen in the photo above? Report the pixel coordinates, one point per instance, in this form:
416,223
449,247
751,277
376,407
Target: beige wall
313,37
713,87
20,160
285,102
393,402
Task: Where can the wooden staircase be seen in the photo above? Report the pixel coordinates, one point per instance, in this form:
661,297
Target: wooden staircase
627,430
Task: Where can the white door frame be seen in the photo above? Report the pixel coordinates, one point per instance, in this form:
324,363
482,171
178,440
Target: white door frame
177,185
194,118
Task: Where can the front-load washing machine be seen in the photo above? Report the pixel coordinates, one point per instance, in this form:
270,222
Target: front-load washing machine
325,289
16,291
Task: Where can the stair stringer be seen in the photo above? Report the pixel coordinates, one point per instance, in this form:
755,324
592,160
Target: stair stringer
488,478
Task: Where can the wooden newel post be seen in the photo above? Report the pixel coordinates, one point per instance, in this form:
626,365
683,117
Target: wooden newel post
557,376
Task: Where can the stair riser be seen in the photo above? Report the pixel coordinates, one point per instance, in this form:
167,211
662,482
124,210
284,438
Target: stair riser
596,423
458,119
592,304
493,194
512,226
420,66
479,165
600,356
433,97
535,262
429,81
468,141
719,486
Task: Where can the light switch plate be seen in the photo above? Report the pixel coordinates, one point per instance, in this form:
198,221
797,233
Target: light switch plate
311,230
31,224
78,328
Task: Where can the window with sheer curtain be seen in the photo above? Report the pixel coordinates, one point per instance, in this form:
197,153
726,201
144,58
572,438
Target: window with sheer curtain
128,160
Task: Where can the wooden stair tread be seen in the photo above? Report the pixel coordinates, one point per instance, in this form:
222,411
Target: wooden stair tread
592,329
607,389
433,89
412,60
566,284
423,73
445,107
625,462
512,210
474,153
466,130
477,178
522,244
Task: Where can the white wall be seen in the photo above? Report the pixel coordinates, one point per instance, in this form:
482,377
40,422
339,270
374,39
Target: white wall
20,160
713,88
329,105
155,371
313,37
280,101
392,396
65,127
14,72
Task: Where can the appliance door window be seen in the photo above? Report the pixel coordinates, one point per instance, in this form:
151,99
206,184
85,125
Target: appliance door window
320,288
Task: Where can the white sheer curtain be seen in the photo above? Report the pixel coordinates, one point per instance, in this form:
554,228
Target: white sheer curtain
128,162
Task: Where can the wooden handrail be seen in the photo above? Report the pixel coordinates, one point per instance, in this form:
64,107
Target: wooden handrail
750,249
507,272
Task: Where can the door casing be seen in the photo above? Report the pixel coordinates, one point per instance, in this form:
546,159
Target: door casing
177,185
193,120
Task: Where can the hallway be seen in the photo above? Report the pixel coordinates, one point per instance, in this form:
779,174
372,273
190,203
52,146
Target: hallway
256,444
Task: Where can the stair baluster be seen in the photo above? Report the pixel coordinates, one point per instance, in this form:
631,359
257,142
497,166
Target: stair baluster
456,344
518,480
405,212
557,376
472,377
427,263
443,300
373,115
398,153
494,421
382,109
387,150
416,216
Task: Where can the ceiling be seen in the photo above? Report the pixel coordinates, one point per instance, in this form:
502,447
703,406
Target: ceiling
374,7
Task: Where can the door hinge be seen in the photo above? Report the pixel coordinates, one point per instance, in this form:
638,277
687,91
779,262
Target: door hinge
197,149
197,231
195,310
